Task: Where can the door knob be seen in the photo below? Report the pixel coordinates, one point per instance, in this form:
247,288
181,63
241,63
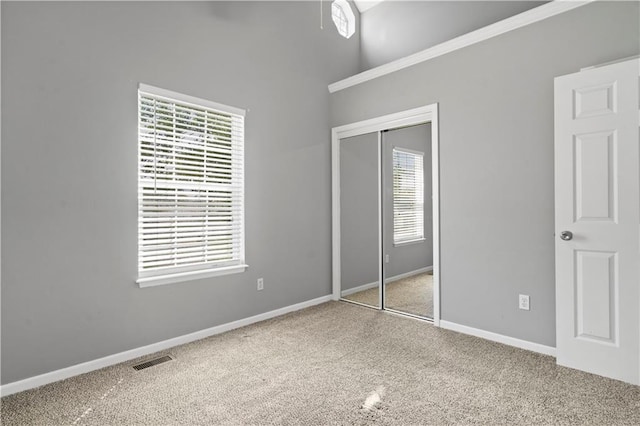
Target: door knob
566,235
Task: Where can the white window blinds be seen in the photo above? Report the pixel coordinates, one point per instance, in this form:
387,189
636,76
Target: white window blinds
408,196
190,184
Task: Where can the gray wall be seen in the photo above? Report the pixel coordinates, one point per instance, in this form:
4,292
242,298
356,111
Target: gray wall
359,228
69,166
394,29
407,257
496,157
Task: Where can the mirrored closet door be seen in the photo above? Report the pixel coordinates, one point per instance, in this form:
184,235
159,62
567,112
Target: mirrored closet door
383,206
359,219
407,220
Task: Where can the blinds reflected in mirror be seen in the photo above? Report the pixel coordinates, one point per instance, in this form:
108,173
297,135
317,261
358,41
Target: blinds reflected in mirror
408,196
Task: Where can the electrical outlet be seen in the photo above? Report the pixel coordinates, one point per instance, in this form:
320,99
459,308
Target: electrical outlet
523,302
386,258
260,284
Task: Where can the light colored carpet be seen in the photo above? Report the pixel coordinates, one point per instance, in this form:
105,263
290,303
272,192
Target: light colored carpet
338,364
413,295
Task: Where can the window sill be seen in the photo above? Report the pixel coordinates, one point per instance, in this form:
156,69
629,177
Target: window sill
189,276
406,243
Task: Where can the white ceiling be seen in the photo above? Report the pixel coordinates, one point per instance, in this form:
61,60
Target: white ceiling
364,5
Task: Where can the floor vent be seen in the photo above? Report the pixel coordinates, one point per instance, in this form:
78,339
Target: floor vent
152,362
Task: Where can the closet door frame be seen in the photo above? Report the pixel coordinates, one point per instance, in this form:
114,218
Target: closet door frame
421,115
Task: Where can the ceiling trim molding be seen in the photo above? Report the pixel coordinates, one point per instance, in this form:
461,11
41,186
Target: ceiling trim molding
531,16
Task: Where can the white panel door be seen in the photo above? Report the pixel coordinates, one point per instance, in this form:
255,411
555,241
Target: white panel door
597,202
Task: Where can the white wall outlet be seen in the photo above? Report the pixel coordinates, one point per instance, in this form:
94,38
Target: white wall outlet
523,302
386,258
260,284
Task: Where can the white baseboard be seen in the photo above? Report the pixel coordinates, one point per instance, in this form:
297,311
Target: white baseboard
495,337
408,274
85,367
387,281
363,287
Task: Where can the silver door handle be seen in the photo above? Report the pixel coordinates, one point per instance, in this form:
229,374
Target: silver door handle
566,235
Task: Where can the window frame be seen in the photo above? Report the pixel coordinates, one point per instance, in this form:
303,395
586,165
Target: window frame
343,18
161,276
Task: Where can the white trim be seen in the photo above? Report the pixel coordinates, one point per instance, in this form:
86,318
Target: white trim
335,214
424,114
381,288
85,367
387,281
360,288
530,16
198,102
495,337
408,274
435,185
409,117
189,276
616,61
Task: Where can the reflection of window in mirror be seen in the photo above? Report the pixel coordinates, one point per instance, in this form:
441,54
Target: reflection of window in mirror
408,196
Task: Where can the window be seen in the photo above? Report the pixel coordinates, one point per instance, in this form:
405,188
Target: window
408,196
190,187
343,18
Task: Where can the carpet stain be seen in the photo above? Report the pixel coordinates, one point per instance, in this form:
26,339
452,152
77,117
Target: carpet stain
373,399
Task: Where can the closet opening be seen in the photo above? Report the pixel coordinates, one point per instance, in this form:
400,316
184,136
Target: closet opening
385,213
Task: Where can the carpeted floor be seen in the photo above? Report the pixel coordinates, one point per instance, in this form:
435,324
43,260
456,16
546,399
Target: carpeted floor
413,295
337,364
